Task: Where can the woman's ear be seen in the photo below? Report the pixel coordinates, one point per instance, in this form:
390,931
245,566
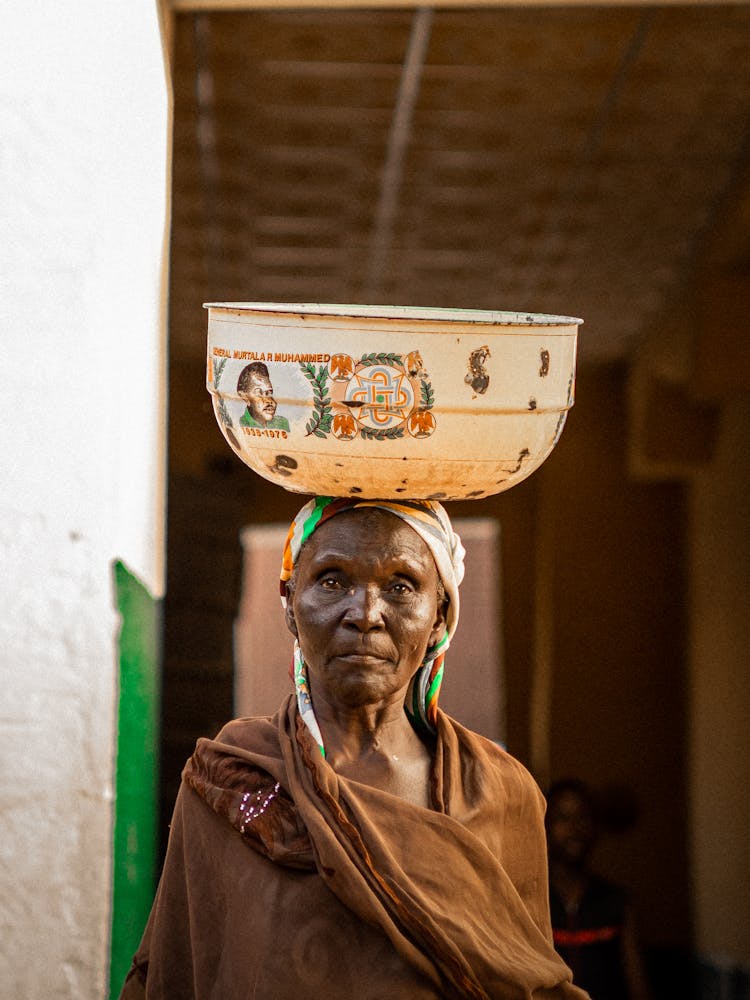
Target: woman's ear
291,623
441,618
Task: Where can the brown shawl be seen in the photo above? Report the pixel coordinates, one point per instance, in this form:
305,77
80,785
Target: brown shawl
285,880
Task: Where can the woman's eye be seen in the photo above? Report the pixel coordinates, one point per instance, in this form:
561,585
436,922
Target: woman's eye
330,582
401,589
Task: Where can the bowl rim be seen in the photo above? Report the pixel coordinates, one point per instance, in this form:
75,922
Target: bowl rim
429,313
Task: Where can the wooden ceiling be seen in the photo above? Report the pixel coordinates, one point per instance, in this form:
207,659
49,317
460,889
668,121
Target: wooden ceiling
571,160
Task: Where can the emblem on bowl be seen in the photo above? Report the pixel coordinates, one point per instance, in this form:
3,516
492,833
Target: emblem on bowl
376,396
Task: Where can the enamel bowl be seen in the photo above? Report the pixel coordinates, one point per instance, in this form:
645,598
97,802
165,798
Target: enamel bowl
385,401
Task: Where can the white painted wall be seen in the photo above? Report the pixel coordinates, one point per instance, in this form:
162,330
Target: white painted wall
83,184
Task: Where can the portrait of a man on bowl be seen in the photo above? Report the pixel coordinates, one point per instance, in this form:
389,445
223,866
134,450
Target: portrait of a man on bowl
255,388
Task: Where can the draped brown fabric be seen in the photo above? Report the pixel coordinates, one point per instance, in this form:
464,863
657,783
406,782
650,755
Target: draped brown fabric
285,881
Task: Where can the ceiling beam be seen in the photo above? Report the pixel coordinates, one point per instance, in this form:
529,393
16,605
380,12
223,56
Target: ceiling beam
180,6
398,139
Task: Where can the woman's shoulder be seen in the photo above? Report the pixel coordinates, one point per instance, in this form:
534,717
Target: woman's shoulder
245,754
254,733
479,744
247,732
491,756
243,745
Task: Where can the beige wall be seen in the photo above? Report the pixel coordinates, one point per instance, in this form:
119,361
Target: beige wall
649,612
617,621
623,559
617,616
720,692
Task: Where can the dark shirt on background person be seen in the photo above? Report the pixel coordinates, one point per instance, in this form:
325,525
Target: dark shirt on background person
589,938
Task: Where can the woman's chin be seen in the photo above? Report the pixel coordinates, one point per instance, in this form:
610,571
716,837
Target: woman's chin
358,689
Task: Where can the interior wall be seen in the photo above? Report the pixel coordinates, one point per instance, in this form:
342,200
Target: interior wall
619,619
720,693
209,486
619,616
84,120
617,572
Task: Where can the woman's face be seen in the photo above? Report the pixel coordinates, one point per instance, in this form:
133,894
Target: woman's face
364,607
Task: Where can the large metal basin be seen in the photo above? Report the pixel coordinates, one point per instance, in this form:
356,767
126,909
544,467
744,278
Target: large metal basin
385,401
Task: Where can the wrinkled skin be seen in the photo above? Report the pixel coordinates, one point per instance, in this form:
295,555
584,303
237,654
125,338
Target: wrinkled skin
364,607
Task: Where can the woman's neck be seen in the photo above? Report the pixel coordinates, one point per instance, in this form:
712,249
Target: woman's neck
377,746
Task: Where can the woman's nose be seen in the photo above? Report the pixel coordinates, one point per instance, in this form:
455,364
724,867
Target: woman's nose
364,609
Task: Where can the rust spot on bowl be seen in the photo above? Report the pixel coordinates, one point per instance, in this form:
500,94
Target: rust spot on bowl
544,363
477,376
524,453
284,465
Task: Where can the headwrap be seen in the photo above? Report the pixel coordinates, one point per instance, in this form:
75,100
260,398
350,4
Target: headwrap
432,524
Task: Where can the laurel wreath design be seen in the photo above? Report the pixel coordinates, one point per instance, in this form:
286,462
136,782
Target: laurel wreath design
379,434
427,396
382,359
319,423
219,367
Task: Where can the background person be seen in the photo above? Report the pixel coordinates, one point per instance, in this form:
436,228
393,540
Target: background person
593,923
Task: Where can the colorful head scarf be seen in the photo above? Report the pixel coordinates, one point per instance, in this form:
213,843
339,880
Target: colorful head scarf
433,525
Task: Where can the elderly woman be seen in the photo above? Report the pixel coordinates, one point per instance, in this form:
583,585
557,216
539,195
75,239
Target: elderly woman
360,843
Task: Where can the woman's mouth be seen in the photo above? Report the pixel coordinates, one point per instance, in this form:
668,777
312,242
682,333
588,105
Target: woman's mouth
361,659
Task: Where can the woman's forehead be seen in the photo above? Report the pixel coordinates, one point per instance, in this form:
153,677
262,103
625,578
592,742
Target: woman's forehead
367,534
